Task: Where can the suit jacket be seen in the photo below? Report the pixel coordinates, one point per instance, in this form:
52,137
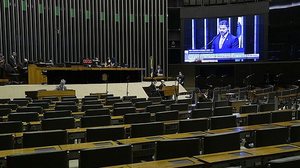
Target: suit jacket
230,44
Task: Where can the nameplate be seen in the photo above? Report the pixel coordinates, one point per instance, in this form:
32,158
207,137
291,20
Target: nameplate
155,138
240,154
103,144
45,149
286,147
181,162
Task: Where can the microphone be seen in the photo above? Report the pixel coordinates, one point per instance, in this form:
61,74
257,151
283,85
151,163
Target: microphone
210,76
279,75
211,41
197,76
249,76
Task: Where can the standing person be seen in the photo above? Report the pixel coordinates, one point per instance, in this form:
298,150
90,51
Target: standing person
224,41
180,78
12,61
159,71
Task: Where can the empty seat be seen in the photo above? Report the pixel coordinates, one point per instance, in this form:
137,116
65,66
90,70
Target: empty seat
204,105
19,102
44,138
147,129
52,98
10,106
168,149
221,103
24,117
58,123
167,115
112,101
290,162
49,101
73,99
57,114
281,116
91,106
44,105
4,101
6,141
93,112
123,110
11,127
5,111
259,118
94,121
122,104
252,108
295,133
202,113
137,118
267,107
62,103
45,159
142,104
219,122
30,109
179,106
224,110
134,100
105,133
213,143
167,102
92,102
191,125
154,100
156,108
128,98
89,98
73,108
101,157
271,136
188,101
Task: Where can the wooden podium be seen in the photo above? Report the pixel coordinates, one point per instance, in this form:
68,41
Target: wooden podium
170,90
48,93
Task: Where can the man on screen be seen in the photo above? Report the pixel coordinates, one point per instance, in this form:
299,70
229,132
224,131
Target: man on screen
225,41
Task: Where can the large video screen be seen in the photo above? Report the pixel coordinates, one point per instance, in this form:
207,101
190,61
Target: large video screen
224,39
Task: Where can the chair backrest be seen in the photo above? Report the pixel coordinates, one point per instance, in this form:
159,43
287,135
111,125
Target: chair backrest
112,101
219,122
89,98
91,102
123,110
221,103
291,162
10,106
24,117
57,114
101,157
259,118
4,101
19,102
142,104
213,143
134,100
190,125
105,133
180,106
58,123
204,105
202,113
6,141
91,106
123,104
5,111
49,101
271,136
62,103
49,159
252,108
221,111
167,102
93,112
30,109
188,101
11,127
137,118
44,138
128,98
267,107
281,116
44,105
154,99
71,98
167,115
147,129
156,108
294,133
52,98
94,121
73,108
168,149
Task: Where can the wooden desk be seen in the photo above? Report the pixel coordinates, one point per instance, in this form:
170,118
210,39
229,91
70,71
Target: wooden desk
243,128
39,94
88,145
288,123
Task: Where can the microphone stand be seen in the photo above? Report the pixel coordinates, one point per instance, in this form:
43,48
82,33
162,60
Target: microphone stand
106,87
127,92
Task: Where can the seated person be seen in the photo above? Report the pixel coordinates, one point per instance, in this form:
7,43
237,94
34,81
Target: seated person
180,78
159,71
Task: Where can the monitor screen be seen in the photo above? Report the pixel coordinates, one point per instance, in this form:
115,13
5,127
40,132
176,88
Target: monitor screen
224,39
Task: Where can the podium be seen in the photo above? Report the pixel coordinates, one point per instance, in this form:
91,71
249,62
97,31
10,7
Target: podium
170,90
48,93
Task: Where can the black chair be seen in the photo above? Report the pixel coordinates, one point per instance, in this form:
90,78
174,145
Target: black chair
135,100
191,125
101,157
221,103
201,113
105,133
19,102
253,108
11,127
259,118
4,101
69,99
204,105
57,114
156,108
147,129
112,101
89,98
267,107
123,104
290,162
93,112
295,133
113,97
281,116
58,123
94,121
10,106
91,107
44,138
137,118
5,111
52,98
271,136
73,108
91,102
154,100
63,103
142,104
44,105
167,102
221,111
168,149
219,122
25,98
30,109
6,141
167,115
49,101
188,101
45,159
24,117
123,110
128,98
213,143
180,106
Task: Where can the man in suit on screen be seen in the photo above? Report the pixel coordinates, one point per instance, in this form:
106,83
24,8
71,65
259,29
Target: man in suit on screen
225,41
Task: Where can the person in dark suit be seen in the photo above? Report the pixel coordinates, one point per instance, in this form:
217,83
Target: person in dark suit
159,71
225,41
